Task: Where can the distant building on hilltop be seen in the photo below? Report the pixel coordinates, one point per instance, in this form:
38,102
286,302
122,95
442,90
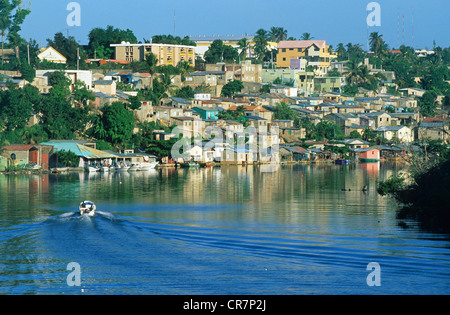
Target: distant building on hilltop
315,52
166,54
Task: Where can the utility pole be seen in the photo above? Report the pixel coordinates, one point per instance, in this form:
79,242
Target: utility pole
28,53
78,58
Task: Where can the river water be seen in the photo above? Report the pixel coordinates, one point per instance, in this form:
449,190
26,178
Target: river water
231,230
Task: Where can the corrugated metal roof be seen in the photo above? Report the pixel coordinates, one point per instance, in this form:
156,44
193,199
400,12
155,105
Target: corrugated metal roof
80,150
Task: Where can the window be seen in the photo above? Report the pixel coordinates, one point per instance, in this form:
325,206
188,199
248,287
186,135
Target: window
283,50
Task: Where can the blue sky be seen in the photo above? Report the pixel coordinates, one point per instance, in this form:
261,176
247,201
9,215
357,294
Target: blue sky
333,20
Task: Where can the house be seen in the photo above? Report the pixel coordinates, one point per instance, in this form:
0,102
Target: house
239,155
290,154
207,112
397,133
412,92
356,143
284,89
21,154
368,154
50,54
433,129
41,80
255,110
375,119
107,87
258,122
188,126
329,84
314,51
87,153
129,157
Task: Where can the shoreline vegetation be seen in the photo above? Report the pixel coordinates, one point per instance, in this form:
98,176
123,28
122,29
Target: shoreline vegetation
424,194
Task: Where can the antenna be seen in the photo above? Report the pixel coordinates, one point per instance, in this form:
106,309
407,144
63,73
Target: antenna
398,29
174,23
413,25
403,31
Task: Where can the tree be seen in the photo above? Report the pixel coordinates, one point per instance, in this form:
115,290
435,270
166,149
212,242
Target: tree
427,104
100,40
243,46
16,107
283,111
376,43
306,36
185,92
277,34
12,16
68,47
260,47
218,52
115,124
231,88
59,118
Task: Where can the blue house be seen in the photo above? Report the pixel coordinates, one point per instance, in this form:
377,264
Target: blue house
207,112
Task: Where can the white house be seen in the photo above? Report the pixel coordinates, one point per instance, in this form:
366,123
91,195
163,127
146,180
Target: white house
52,55
400,133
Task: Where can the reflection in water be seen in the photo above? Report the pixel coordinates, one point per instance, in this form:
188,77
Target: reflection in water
230,230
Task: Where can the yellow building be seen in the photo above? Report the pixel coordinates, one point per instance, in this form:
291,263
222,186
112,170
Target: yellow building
315,52
166,54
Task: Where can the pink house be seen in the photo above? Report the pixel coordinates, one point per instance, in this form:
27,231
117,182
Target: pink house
369,155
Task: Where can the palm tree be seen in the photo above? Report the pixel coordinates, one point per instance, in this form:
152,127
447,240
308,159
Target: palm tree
277,34
377,44
306,36
243,46
353,72
260,44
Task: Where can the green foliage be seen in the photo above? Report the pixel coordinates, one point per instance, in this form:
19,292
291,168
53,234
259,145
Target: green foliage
59,118
100,40
232,87
170,39
390,186
67,46
236,115
284,111
27,71
355,135
16,106
218,52
114,125
185,92
67,159
427,104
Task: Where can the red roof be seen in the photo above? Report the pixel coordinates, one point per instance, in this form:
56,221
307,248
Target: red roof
19,147
432,119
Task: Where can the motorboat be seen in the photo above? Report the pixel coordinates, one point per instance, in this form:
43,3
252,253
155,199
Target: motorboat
91,169
104,169
123,168
142,166
87,208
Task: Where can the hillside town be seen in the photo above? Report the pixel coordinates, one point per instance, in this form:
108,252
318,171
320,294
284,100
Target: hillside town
237,100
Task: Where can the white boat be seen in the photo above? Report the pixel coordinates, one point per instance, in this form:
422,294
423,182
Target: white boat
91,169
143,166
134,167
87,208
124,168
104,169
148,166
